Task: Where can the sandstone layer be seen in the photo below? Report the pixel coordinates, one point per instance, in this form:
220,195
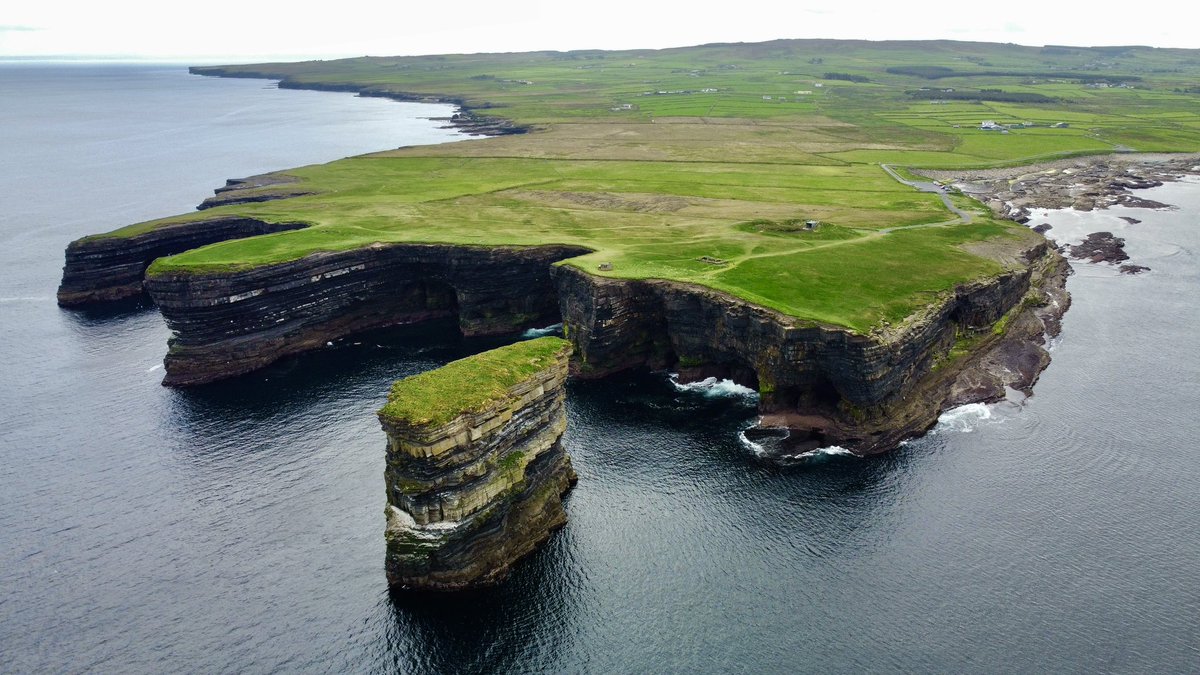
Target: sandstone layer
230,323
469,497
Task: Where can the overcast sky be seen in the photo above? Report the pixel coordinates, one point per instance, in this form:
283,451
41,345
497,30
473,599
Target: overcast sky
248,30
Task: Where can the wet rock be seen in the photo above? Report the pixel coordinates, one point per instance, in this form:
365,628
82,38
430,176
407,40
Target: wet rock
1100,247
1042,229
1135,202
1133,269
1131,221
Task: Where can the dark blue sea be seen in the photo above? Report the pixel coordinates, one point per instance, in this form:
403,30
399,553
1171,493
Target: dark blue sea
239,527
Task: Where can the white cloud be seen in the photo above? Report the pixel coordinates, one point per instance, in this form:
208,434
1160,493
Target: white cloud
246,30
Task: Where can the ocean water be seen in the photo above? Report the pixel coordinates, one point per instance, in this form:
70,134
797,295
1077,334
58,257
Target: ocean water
238,527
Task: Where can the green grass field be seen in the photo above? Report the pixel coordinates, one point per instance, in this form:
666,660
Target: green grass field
468,385
656,160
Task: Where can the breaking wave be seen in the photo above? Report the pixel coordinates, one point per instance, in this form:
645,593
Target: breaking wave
759,449
714,388
963,419
556,329
818,455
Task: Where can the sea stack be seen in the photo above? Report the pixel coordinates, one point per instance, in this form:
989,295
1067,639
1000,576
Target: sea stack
476,469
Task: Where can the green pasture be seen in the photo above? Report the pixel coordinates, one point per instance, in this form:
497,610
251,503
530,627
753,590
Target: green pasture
717,138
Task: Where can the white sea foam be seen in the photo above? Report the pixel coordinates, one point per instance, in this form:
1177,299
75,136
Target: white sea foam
556,329
28,299
758,450
714,388
964,418
819,454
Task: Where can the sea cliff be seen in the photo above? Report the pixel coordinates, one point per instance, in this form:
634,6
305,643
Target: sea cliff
104,268
230,323
829,385
476,468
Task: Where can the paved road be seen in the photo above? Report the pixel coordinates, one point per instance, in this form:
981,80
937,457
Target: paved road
930,186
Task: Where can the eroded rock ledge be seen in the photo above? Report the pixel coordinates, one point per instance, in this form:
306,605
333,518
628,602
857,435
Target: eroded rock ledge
264,187
231,323
470,492
104,268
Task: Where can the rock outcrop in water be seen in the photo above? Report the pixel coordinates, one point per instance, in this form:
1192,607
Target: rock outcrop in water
230,323
1100,247
105,268
469,492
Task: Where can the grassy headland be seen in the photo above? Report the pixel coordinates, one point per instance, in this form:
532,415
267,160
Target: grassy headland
662,162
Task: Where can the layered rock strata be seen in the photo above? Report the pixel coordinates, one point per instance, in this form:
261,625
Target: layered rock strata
230,323
863,392
253,189
468,497
106,268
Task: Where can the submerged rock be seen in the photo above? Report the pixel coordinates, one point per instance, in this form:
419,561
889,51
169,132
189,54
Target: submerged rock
476,468
1133,269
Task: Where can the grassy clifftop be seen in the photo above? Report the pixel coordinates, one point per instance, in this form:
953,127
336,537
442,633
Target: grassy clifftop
471,384
662,162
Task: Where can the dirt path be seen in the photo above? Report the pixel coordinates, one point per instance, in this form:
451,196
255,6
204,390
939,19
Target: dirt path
930,186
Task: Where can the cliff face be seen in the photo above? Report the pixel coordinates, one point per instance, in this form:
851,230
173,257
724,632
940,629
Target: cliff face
232,323
864,392
466,499
111,268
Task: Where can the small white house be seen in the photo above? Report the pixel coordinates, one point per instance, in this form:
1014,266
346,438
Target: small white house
989,125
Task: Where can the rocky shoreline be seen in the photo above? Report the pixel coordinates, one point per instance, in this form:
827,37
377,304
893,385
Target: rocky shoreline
1084,183
863,392
467,119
